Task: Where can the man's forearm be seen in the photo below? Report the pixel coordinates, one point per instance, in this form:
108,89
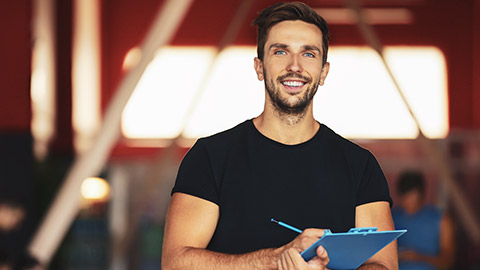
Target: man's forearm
373,266
438,261
199,259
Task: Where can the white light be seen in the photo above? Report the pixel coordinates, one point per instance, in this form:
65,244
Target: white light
86,73
422,73
43,76
94,188
232,95
161,99
358,100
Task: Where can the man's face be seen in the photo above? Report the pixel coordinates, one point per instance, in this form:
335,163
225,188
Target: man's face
292,66
411,201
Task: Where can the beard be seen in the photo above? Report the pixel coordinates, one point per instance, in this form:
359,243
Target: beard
282,104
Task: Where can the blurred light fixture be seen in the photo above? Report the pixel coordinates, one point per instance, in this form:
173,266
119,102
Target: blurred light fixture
132,58
86,115
42,85
165,91
95,188
372,15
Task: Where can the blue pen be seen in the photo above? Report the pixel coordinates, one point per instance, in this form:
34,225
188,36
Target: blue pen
286,226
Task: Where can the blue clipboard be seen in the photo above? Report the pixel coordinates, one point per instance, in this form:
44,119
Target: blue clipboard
351,249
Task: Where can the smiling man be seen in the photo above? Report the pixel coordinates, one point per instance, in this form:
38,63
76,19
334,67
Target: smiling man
282,164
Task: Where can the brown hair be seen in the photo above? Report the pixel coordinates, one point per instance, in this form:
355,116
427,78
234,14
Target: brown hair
410,180
288,12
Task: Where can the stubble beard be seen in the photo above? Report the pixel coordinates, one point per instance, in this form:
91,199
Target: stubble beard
292,112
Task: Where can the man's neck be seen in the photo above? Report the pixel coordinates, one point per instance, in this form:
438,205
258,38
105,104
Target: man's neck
287,129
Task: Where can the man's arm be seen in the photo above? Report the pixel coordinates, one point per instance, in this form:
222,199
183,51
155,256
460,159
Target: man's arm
447,247
377,214
190,225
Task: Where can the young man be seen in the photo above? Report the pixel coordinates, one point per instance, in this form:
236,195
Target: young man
283,164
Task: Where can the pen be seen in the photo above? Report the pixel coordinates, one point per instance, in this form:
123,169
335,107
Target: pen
286,225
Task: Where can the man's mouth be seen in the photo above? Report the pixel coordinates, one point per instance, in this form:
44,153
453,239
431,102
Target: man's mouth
293,84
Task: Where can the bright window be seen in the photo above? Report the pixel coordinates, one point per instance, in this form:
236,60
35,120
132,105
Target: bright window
358,99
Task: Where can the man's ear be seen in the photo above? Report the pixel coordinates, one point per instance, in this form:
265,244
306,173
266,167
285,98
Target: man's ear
258,65
324,73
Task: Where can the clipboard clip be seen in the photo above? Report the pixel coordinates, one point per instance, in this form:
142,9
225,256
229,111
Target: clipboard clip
363,230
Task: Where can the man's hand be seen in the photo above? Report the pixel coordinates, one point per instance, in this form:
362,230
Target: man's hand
408,255
291,259
305,239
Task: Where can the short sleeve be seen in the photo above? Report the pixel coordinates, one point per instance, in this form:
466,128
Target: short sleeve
195,175
373,186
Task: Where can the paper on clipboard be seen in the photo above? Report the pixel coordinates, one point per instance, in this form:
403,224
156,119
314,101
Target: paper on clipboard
351,249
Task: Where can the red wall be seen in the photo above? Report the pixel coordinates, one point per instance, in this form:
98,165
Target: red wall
124,24
476,64
15,66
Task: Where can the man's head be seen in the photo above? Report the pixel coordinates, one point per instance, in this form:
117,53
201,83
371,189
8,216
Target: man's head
411,190
291,11
292,49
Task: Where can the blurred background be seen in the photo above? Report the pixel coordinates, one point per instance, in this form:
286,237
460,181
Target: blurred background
100,100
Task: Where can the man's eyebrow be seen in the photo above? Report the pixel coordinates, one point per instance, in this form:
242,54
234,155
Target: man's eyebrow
278,46
285,46
312,48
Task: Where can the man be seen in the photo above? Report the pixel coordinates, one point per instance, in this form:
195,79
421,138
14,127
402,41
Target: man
283,164
430,242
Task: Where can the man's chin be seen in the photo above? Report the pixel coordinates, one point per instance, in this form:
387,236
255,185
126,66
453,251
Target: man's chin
292,108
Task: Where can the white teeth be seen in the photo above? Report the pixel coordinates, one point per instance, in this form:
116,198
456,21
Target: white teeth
293,83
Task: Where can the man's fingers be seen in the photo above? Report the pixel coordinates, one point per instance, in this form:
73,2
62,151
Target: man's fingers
323,255
282,262
287,261
313,232
307,238
292,260
321,260
293,253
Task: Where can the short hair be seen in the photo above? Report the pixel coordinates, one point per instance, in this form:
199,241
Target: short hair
291,11
411,180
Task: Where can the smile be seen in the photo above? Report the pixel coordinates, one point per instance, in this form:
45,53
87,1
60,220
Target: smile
293,83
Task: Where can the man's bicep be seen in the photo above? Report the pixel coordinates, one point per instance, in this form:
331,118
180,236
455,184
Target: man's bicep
378,214
191,222
375,214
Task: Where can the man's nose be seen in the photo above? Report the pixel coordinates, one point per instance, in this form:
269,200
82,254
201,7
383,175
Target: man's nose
294,65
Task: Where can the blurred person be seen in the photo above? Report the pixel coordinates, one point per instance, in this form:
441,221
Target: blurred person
429,242
11,215
282,164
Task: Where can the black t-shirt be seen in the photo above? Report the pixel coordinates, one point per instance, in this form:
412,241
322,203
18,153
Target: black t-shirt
315,184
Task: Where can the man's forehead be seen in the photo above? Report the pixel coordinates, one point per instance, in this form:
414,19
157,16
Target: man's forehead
294,33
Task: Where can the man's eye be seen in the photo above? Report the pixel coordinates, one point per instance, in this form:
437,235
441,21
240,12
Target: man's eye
311,55
279,52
